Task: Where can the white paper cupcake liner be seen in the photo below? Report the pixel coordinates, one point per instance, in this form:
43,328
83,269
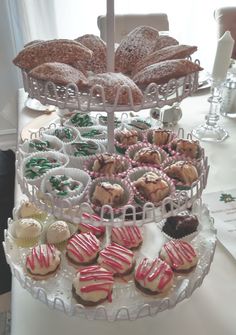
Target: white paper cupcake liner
137,173
63,201
106,210
131,151
88,165
100,138
78,161
55,145
49,133
171,160
59,157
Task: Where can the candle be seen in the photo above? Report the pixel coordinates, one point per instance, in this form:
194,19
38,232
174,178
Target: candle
222,58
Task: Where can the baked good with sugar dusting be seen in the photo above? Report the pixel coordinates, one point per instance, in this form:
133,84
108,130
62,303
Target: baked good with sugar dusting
148,155
187,147
61,74
162,72
153,276
170,52
116,86
164,41
58,50
183,172
108,164
98,62
92,285
135,46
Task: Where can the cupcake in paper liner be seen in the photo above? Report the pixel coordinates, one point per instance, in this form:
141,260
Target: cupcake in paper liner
188,148
162,138
36,165
80,150
114,192
107,164
103,121
40,145
64,185
143,154
65,134
81,120
150,185
184,172
97,134
184,226
139,124
27,209
26,232
58,233
124,138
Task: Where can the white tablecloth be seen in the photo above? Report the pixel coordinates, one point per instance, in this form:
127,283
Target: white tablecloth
211,308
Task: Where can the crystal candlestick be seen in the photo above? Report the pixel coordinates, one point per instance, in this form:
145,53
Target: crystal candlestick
211,131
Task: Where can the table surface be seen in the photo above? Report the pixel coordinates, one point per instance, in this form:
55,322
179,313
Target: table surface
211,308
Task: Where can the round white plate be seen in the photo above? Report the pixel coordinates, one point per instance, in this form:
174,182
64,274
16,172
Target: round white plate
35,105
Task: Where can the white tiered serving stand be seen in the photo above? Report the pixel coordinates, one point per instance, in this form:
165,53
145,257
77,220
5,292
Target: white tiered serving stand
128,303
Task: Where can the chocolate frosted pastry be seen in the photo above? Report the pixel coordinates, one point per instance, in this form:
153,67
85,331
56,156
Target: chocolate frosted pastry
98,62
183,172
116,85
129,237
148,156
153,276
180,225
82,249
106,193
37,166
87,148
93,285
161,136
61,74
188,148
127,137
164,41
139,124
81,120
58,50
170,52
108,164
161,73
43,262
180,255
63,186
152,187
135,46
65,134
117,259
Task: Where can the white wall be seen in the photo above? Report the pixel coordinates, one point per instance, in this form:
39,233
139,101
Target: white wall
8,74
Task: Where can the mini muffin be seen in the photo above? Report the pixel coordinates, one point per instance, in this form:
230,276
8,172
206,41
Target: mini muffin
29,210
82,249
117,259
127,137
108,164
43,262
153,276
183,172
106,193
93,285
180,255
27,232
148,155
160,136
180,225
129,237
188,148
152,187
58,233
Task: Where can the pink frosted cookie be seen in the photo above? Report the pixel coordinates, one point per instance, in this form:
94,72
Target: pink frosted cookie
82,249
129,237
153,276
117,259
43,261
93,285
180,255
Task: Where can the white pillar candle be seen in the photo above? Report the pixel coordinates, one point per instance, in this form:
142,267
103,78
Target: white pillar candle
222,58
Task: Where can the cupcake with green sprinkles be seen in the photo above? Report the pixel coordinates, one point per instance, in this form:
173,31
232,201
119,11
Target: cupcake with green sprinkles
39,145
64,184
102,119
36,165
138,124
81,120
65,134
